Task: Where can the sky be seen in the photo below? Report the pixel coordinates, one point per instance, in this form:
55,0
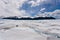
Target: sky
30,8
35,6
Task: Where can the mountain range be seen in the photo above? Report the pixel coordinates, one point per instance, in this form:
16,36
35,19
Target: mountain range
28,18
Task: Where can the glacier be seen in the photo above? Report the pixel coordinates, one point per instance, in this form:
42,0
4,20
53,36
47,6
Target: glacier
29,29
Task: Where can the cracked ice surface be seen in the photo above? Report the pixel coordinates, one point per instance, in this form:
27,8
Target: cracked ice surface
29,29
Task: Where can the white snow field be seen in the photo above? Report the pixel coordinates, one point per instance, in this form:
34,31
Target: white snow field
29,29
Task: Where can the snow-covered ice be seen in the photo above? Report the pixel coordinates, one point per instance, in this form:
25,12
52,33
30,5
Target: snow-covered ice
29,29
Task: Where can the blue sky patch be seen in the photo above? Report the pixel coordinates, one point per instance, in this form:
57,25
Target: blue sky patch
49,7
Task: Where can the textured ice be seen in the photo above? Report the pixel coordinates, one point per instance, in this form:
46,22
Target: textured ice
29,29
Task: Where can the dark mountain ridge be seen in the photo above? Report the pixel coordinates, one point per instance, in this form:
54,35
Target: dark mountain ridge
28,18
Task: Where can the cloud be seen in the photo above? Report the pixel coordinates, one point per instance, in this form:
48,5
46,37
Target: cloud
50,5
32,7
42,9
55,14
10,8
35,3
